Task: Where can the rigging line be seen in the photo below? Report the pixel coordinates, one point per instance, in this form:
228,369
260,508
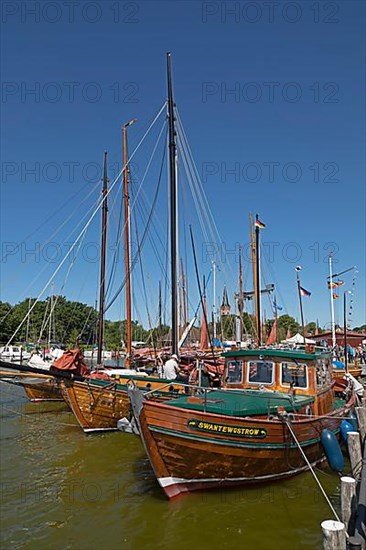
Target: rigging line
44,268
52,216
144,235
49,239
203,198
116,249
66,278
85,228
164,125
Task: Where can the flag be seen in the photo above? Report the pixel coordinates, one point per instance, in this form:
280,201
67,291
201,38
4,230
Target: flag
304,292
340,283
335,296
259,224
332,285
273,335
279,308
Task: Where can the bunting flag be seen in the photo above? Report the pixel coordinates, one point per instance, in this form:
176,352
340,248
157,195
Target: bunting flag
335,284
275,306
335,296
260,224
304,292
273,335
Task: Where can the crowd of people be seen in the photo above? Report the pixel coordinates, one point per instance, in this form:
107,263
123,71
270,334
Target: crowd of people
354,355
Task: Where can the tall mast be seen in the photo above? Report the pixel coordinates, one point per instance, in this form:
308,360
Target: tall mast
214,300
300,301
184,296
102,263
332,302
252,246
257,287
28,321
160,309
127,238
241,296
275,313
173,211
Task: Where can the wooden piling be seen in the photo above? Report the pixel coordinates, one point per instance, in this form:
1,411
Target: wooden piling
348,502
361,418
334,535
354,449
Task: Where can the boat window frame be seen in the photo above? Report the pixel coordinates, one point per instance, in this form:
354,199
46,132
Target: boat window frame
258,383
288,384
238,362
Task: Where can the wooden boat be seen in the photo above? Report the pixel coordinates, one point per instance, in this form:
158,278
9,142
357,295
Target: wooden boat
273,402
99,404
38,387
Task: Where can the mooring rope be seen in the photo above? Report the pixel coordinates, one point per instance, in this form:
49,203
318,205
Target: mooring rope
287,422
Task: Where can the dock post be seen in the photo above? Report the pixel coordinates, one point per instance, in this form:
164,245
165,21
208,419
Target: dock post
348,502
354,449
334,535
361,417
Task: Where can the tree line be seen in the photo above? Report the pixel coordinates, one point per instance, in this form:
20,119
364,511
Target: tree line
74,322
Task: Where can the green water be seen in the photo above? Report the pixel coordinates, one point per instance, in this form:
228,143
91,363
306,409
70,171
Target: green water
62,489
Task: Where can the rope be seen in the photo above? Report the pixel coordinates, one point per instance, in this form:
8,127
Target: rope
287,422
85,228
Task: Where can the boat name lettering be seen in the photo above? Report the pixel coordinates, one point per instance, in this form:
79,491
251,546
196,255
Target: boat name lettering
243,431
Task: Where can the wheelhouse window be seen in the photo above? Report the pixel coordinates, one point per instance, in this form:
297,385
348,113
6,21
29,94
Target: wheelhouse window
260,372
234,372
294,374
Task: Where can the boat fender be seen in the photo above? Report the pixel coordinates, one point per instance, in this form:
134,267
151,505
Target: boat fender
352,419
345,428
308,410
332,450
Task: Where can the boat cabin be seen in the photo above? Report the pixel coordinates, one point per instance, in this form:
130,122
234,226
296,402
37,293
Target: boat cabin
299,372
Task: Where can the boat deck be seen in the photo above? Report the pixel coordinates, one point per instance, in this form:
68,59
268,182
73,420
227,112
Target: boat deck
239,403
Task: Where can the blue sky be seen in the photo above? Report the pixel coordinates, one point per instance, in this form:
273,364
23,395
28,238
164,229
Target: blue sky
273,106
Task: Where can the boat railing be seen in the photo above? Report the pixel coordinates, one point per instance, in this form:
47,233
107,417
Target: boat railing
204,391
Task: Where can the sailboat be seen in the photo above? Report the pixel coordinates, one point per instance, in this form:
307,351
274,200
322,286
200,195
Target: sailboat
267,423
98,402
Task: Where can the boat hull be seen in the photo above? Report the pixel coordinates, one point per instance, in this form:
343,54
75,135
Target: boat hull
99,407
188,452
49,390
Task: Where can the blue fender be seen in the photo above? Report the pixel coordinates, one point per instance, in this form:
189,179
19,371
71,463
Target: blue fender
352,419
345,428
332,450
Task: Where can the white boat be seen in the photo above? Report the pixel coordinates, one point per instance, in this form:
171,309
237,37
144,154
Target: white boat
14,353
38,361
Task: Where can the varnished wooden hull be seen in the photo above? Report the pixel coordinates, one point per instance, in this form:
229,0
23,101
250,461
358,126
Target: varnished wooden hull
99,407
49,390
186,459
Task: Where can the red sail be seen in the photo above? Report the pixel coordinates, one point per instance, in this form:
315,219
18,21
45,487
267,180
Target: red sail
273,335
71,360
204,330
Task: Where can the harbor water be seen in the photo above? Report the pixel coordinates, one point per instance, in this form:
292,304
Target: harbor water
62,489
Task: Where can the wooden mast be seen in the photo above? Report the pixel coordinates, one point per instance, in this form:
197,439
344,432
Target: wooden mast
173,211
184,296
258,291
255,276
127,239
102,263
241,295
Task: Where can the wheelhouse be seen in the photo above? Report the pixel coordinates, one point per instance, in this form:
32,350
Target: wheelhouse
301,372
